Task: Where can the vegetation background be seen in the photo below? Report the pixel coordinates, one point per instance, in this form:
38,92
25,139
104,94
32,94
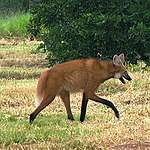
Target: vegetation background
75,29
112,27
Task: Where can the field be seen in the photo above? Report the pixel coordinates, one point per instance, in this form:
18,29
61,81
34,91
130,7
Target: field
19,70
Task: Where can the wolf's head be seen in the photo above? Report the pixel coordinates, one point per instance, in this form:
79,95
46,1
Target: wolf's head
121,71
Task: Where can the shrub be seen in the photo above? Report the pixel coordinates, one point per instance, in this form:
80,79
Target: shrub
76,29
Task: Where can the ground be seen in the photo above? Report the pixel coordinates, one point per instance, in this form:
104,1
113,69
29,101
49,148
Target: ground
19,70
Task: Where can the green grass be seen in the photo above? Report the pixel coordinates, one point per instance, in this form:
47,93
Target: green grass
51,129
14,26
54,127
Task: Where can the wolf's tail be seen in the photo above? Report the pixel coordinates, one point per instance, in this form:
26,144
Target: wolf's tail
41,86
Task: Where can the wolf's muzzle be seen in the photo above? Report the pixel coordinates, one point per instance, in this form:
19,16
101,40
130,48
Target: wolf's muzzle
126,76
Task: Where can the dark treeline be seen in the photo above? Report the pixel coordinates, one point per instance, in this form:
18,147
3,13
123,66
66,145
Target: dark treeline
8,7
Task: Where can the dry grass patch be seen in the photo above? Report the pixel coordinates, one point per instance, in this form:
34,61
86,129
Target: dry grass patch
21,55
23,60
19,73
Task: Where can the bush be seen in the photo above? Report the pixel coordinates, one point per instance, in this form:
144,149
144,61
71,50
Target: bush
76,29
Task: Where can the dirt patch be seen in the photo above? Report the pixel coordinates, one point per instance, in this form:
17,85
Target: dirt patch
132,146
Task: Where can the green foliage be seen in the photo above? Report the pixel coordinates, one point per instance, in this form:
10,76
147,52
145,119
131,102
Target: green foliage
76,29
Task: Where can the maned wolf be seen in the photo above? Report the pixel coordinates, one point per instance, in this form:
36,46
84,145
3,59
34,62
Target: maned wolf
78,75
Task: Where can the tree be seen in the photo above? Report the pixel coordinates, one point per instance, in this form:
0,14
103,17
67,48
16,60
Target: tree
76,29
25,5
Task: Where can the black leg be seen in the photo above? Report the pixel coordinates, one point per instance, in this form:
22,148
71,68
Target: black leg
65,96
45,102
107,103
32,117
83,107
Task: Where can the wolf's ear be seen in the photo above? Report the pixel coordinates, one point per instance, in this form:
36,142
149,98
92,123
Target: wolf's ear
121,56
116,60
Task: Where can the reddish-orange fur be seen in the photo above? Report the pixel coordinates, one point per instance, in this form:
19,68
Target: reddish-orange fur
85,75
76,75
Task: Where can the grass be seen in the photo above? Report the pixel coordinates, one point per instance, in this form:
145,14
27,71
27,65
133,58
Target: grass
21,55
51,129
14,26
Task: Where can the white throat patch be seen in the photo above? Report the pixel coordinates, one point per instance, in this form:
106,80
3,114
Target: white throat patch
117,75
